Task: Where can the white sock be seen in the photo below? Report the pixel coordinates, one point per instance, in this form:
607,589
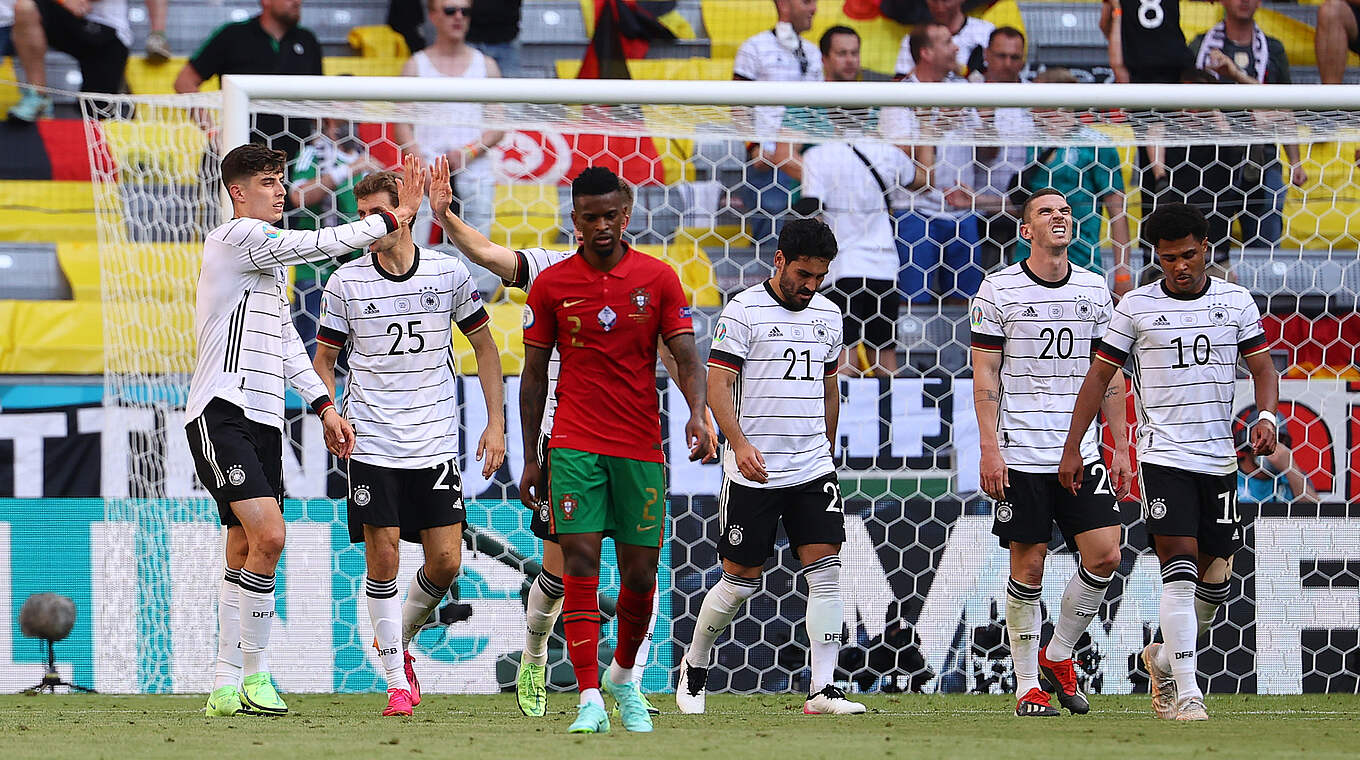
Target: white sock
257,618
825,618
384,610
1208,598
645,646
421,599
228,671
592,695
1179,625
1080,603
541,611
619,674
720,605
1024,624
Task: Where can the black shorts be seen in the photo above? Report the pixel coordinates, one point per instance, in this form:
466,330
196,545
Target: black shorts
236,458
96,47
870,309
812,513
541,523
1036,501
385,497
1199,505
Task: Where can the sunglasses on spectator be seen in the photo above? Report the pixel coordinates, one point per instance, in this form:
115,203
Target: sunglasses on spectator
454,10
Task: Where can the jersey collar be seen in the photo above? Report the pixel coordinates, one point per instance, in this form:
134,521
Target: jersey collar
1208,281
620,269
415,264
1024,267
780,300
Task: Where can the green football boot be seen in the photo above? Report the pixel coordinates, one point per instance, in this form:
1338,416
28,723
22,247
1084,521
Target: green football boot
632,707
531,689
590,719
224,702
259,696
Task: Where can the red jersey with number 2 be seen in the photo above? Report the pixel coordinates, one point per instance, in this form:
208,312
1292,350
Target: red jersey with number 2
606,324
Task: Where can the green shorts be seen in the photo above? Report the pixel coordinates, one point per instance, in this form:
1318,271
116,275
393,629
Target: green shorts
595,493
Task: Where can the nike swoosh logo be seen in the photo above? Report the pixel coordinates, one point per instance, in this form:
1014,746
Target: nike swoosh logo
579,643
644,528
567,304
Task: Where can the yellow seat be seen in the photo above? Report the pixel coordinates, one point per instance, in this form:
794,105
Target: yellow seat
526,216
694,269
507,328
166,272
385,66
169,151
51,338
378,41
146,78
1322,214
38,211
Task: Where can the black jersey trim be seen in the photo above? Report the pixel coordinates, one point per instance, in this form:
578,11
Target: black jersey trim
415,264
231,362
1208,283
331,336
1024,267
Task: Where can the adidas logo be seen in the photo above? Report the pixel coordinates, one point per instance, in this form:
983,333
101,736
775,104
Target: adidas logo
1161,321
775,333
370,308
1029,312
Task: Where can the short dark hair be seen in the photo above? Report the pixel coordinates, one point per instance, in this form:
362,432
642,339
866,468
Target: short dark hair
825,42
594,180
381,182
245,161
1005,31
920,38
807,238
1024,210
1173,221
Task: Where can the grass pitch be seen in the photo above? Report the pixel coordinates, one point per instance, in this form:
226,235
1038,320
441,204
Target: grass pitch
331,726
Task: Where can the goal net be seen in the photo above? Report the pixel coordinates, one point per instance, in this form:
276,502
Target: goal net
716,168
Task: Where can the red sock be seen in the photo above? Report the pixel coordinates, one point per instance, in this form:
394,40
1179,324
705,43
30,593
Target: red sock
634,613
581,624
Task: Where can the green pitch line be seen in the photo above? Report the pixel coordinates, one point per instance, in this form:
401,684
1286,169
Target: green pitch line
954,727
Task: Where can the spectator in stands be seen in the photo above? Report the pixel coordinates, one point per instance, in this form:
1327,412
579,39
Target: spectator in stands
495,31
21,36
970,35
323,177
999,167
840,54
840,47
270,43
467,146
855,186
937,232
1338,30
1236,50
157,46
1087,170
1270,478
780,54
94,32
406,17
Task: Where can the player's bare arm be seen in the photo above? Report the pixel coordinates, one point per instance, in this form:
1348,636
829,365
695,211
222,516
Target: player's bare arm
987,406
832,399
497,259
1266,382
491,446
340,437
690,377
1114,405
1089,400
710,427
749,459
533,396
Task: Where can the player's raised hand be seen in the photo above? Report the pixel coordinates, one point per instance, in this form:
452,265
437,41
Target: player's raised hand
701,442
338,433
441,191
1069,470
1121,476
529,483
411,188
1263,437
492,447
994,475
750,462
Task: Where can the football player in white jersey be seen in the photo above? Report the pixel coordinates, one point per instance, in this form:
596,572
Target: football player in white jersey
1184,334
247,346
1034,327
519,269
775,392
396,307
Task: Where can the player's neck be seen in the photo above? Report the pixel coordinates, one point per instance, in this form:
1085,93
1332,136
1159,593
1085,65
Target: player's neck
398,259
1049,265
604,263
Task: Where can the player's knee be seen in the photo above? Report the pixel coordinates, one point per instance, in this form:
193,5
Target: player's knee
1103,564
1331,13
638,579
267,543
442,568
